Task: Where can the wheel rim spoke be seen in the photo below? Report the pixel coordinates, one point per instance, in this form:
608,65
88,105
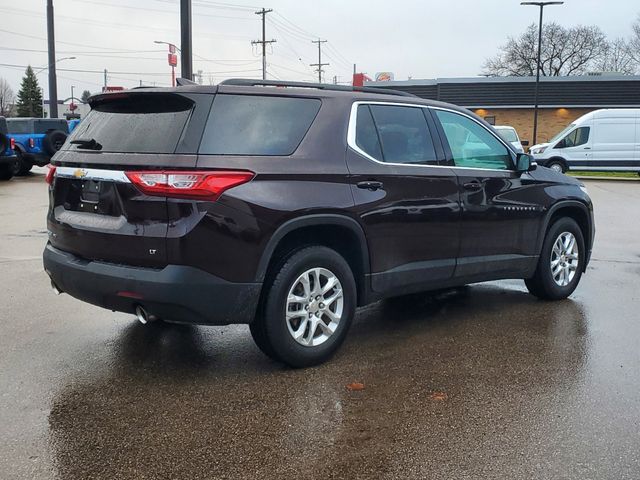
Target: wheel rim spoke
314,307
565,258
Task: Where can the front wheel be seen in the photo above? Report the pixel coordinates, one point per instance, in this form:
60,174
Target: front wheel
23,165
556,166
308,308
561,262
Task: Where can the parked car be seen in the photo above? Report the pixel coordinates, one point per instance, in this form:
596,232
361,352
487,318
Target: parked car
36,140
510,135
7,156
602,140
286,208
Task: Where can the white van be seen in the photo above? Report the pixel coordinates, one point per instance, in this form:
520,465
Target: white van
510,135
606,139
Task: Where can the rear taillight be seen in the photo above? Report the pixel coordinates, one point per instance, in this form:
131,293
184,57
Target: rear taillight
32,143
51,172
12,143
193,185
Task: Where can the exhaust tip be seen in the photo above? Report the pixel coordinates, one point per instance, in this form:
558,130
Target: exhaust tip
55,288
143,316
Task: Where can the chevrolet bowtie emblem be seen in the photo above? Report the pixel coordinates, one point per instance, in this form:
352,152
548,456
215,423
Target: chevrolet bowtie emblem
80,173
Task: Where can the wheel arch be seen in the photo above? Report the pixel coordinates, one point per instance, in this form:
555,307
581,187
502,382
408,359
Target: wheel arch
339,232
577,211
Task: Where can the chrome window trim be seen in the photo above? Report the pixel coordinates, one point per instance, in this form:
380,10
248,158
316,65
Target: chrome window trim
117,176
351,136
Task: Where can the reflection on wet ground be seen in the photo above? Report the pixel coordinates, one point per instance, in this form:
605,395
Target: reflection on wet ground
478,382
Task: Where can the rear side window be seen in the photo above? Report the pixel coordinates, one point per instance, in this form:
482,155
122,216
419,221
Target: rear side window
44,125
150,123
257,125
366,134
19,126
404,134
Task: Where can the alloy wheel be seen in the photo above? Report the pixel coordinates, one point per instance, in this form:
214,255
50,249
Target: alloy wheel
564,259
315,305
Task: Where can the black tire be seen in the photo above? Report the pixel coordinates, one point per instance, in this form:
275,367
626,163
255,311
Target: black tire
23,166
7,170
270,330
53,141
542,284
557,164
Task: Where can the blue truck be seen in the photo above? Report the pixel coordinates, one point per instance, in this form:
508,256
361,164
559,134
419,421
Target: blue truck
8,159
36,140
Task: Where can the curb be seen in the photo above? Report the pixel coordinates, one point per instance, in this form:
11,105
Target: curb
606,179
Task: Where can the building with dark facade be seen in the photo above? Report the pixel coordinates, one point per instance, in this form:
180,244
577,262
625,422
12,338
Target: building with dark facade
510,100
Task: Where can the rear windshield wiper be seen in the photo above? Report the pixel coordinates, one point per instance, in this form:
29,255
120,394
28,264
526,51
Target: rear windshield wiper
88,143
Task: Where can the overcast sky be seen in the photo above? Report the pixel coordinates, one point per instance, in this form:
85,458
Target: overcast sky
421,39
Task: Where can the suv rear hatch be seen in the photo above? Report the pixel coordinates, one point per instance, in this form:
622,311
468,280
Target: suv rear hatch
98,210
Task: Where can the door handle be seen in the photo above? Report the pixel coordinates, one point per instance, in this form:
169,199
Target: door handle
372,185
472,186
587,148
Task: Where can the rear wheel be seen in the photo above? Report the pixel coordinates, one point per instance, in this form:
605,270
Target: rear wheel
560,265
23,165
308,308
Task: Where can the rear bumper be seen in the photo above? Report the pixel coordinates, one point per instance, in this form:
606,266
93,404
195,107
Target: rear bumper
176,293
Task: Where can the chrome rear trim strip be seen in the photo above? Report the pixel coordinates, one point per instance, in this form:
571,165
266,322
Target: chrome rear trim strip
92,174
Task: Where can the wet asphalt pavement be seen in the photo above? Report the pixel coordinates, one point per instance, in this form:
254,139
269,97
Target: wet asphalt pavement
479,382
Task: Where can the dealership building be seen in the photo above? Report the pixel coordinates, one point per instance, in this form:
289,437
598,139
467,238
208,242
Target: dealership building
510,100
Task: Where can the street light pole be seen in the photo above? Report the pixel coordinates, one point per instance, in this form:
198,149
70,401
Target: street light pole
535,105
53,82
48,67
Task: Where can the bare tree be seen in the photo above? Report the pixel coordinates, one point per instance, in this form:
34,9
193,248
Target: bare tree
617,57
565,51
7,98
634,42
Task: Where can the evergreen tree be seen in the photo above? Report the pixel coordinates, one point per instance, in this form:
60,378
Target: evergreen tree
85,96
29,96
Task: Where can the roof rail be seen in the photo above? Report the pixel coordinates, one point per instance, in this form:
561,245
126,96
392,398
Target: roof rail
182,82
245,82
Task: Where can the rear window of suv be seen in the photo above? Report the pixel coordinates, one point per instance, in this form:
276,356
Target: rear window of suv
136,123
257,125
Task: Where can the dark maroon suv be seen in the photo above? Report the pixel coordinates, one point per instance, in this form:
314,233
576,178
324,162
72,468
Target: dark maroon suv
286,206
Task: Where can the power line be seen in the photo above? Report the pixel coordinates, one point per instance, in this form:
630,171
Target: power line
319,64
264,41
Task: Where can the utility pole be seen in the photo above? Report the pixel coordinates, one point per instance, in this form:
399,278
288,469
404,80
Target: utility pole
185,40
264,40
104,88
53,82
319,64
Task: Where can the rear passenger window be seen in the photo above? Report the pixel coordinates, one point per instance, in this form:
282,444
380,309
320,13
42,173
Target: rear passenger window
366,135
257,125
404,134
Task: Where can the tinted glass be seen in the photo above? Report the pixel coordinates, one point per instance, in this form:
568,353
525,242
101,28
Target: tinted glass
43,125
404,134
366,135
579,136
138,124
17,126
257,125
471,144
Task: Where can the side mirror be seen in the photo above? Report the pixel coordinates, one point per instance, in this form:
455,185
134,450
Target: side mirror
525,163
561,144
525,143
